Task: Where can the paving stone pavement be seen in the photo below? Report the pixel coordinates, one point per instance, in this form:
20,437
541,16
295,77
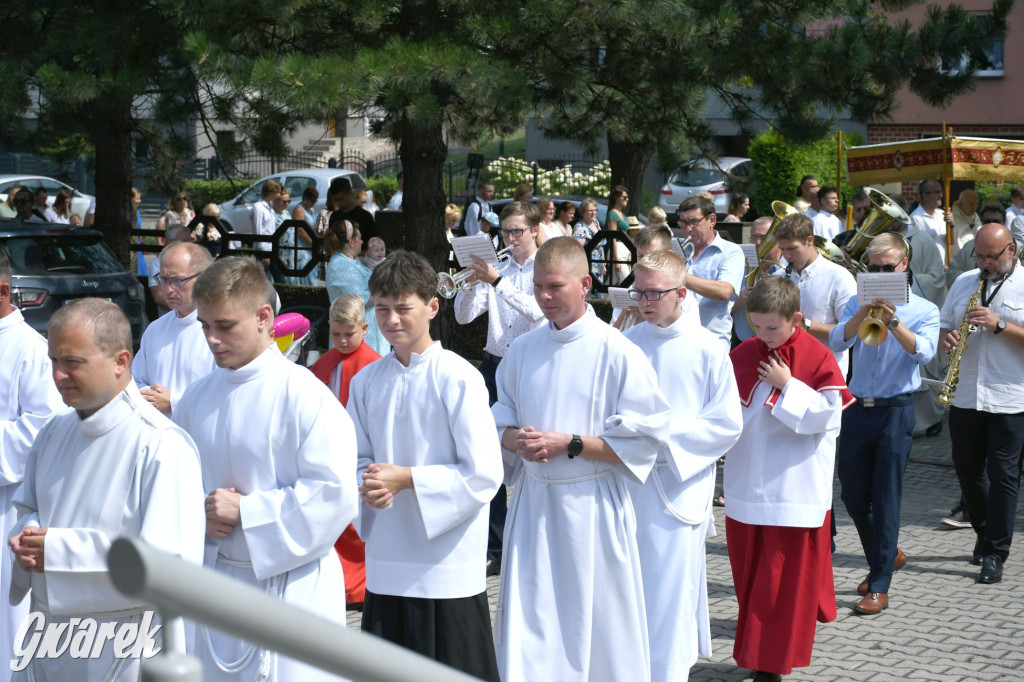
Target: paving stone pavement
941,623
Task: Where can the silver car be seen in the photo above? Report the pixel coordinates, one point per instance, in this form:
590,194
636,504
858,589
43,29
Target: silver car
704,175
79,202
236,213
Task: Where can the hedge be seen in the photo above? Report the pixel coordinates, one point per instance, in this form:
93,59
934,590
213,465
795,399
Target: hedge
383,187
216,191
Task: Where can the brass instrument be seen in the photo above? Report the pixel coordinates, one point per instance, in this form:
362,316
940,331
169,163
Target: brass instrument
449,285
945,396
879,218
686,248
872,331
781,209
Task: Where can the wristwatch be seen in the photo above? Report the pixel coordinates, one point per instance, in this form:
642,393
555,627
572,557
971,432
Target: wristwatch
894,322
807,324
575,446
1000,326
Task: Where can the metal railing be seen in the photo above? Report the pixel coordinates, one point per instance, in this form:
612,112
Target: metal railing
177,588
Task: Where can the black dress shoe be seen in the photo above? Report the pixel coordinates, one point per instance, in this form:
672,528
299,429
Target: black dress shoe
933,430
977,555
991,570
760,676
493,567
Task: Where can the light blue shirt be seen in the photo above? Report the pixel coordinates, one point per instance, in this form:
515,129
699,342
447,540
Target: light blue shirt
886,370
739,318
721,261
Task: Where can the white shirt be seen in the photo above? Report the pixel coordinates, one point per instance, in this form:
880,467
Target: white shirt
471,223
396,201
780,471
933,224
433,417
992,366
1017,228
263,222
52,217
826,225
810,212
276,434
511,308
571,602
28,398
174,353
1012,213
125,470
825,287
720,261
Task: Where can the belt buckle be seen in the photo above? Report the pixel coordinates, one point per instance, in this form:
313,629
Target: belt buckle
868,402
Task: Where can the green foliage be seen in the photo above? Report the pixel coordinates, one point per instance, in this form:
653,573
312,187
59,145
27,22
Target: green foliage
779,164
217,191
384,187
993,193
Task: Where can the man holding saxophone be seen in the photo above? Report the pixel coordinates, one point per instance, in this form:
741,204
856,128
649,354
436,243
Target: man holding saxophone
986,424
889,344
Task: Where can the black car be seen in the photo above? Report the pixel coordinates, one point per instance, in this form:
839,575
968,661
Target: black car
54,264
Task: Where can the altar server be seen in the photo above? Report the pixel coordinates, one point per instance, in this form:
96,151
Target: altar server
27,400
110,467
173,353
673,507
278,456
579,413
778,484
430,465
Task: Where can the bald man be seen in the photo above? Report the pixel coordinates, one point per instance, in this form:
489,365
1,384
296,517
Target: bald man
579,413
173,353
986,417
112,466
966,222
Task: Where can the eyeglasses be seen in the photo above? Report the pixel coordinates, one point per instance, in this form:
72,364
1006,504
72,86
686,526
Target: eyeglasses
176,282
649,294
888,267
691,223
978,256
511,233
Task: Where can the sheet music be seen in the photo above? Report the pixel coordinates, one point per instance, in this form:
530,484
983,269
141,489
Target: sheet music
750,253
676,249
619,297
888,286
478,245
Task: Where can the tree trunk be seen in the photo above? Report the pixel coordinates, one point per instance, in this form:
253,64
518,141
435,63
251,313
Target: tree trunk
628,162
423,153
112,135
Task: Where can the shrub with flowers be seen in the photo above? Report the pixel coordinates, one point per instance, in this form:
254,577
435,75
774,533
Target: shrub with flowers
507,172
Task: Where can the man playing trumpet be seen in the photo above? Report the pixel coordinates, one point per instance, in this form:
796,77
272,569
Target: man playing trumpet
511,311
878,429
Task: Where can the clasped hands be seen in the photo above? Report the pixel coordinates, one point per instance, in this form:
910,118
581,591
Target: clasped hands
540,446
28,547
382,481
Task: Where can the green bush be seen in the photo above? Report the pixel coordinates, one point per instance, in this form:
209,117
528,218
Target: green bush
992,193
779,165
217,191
383,187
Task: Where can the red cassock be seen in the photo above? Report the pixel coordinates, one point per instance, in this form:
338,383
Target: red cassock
351,550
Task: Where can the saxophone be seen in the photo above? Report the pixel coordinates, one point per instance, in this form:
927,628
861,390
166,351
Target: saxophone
945,395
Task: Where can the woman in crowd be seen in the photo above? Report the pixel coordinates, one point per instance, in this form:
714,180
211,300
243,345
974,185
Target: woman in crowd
618,200
346,274
564,218
585,229
523,192
305,211
548,228
60,212
178,212
739,205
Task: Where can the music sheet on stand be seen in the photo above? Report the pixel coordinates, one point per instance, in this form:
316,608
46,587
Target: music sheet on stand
619,298
478,245
750,253
887,286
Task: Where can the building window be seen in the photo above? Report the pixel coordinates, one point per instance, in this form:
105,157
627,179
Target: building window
992,66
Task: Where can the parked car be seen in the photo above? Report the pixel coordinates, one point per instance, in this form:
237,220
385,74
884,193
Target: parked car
54,264
79,202
236,213
704,175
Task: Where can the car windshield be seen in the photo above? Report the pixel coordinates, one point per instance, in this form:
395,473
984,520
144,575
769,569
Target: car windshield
695,176
71,254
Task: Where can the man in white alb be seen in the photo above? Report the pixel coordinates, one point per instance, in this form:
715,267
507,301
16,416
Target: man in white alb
929,217
579,412
279,466
673,508
27,400
173,353
112,466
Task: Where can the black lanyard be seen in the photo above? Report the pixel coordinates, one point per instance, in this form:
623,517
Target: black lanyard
986,300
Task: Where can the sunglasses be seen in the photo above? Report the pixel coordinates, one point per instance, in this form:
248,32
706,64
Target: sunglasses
881,268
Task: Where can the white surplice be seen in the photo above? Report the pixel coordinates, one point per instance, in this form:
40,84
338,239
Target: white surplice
173,353
673,508
431,416
571,605
273,432
125,470
28,398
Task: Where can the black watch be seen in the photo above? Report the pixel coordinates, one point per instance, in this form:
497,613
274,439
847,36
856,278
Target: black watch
575,446
1000,326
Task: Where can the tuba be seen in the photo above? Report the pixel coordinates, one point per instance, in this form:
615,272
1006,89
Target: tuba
449,285
781,209
879,218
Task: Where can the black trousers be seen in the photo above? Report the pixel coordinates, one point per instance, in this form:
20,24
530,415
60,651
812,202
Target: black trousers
499,504
984,442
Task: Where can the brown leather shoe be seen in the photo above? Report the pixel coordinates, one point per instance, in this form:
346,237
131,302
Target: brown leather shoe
900,562
862,589
873,603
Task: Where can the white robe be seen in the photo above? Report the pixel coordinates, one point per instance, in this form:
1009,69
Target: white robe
673,508
274,432
571,605
28,398
431,416
125,470
173,353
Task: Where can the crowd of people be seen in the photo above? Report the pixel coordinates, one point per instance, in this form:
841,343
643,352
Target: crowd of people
379,477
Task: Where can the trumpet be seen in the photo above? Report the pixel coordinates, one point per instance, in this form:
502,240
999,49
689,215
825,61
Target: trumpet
686,248
872,331
449,285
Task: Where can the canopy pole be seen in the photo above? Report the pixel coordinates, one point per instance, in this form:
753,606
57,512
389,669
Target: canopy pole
947,162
